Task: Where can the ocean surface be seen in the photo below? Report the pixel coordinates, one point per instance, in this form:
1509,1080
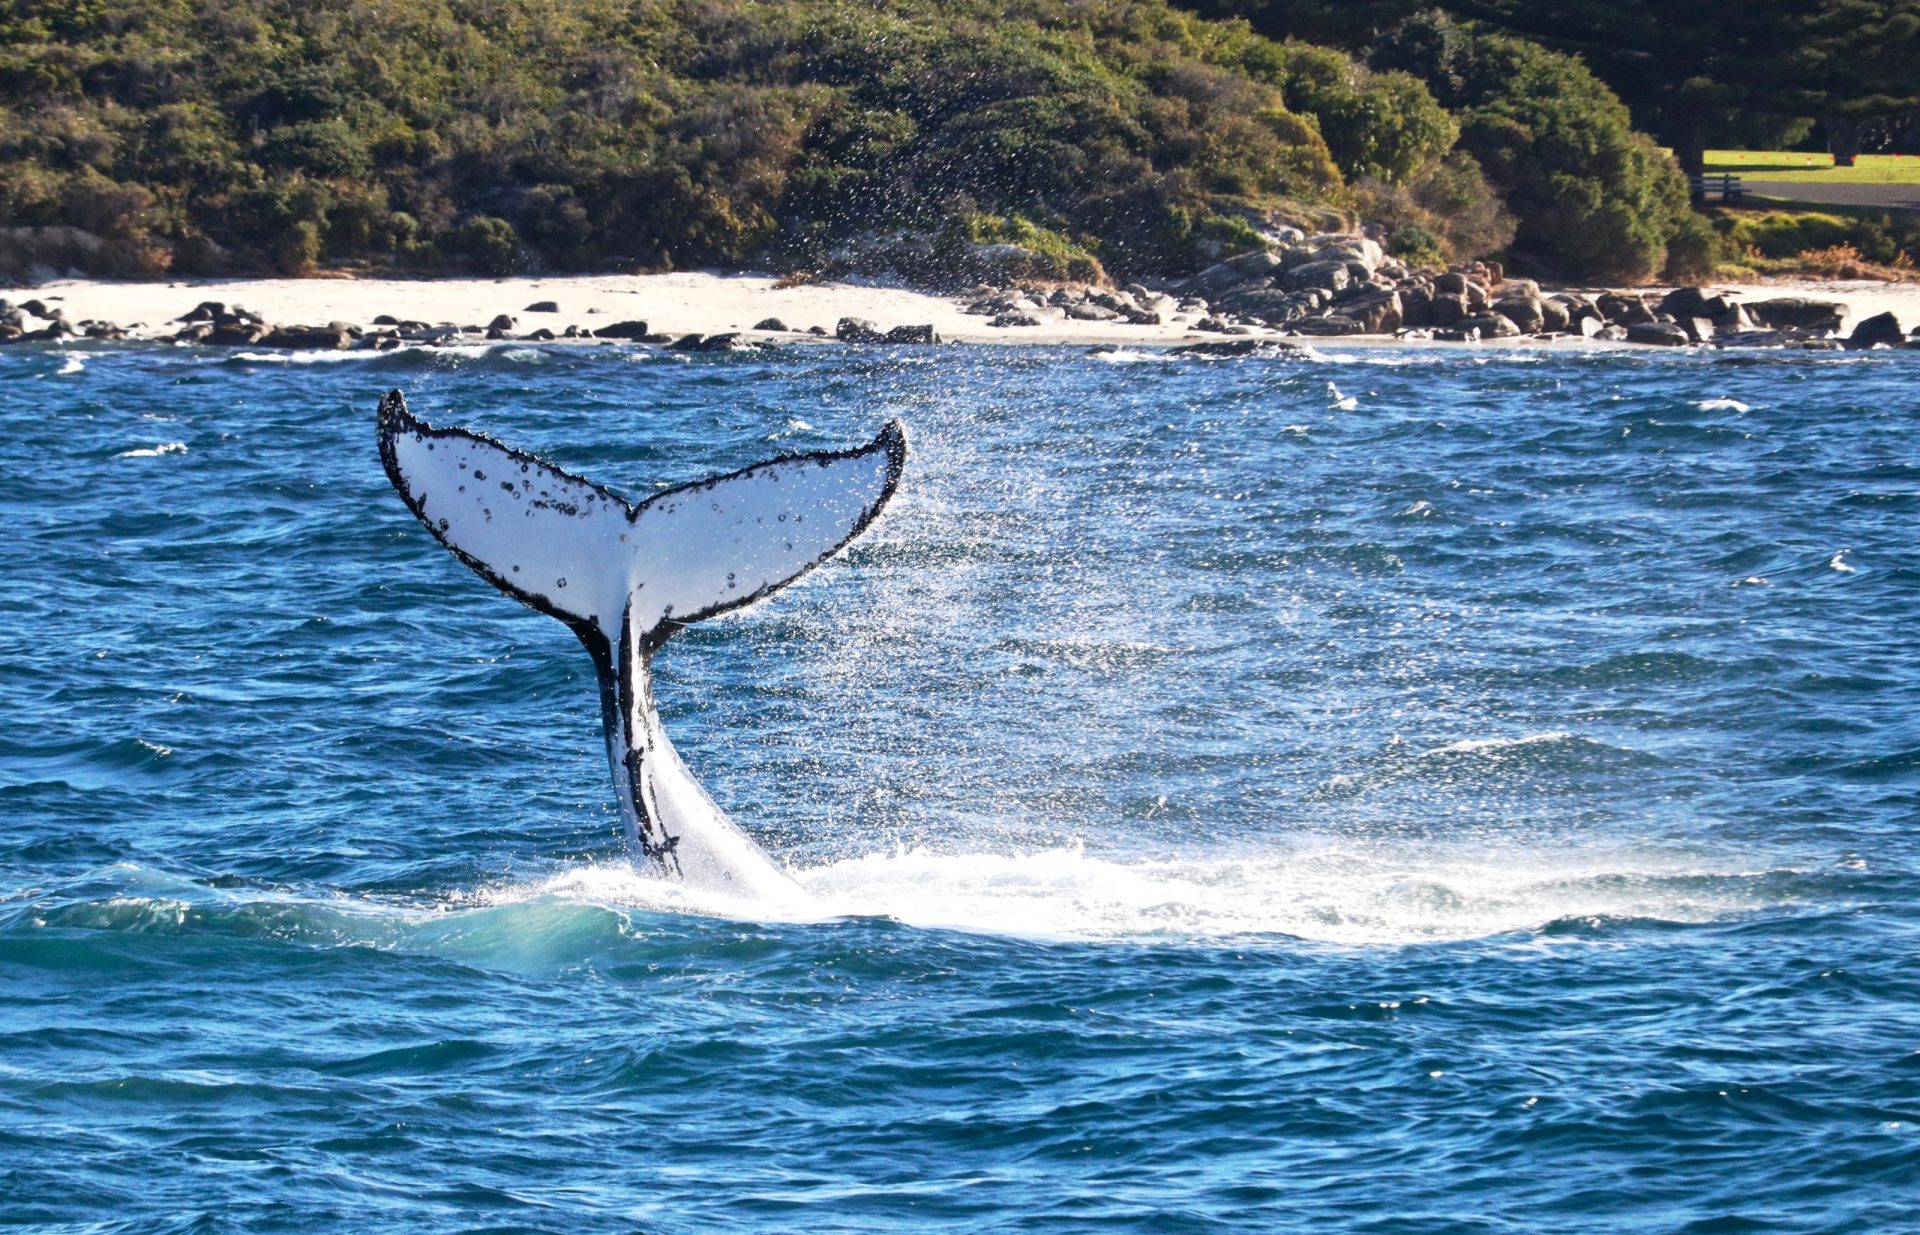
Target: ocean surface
1381,790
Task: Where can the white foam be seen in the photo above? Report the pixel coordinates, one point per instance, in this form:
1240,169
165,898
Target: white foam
72,364
1125,356
1722,405
1344,403
330,356
1839,562
1480,746
154,452
1334,893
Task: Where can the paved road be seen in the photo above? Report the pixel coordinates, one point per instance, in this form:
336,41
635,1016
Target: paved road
1874,196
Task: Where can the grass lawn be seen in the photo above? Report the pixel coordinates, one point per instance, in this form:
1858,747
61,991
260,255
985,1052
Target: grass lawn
1815,168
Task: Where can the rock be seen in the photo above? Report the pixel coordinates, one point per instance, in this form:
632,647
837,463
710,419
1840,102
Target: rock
196,333
387,342
542,306
385,319
1378,313
730,342
1554,317
1447,308
1331,275
1141,317
1239,347
1624,309
502,322
1658,334
1455,334
1685,302
1798,312
1759,338
1015,319
1579,313
1233,271
1090,312
821,331
1140,293
1214,325
770,323
1699,329
1416,305
1523,311
1477,296
858,330
1452,282
913,334
495,333
1328,327
1516,289
1882,329
622,330
1489,325
236,333
541,335
205,311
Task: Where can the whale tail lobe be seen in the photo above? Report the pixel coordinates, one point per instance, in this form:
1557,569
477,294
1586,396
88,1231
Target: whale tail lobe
627,576
581,553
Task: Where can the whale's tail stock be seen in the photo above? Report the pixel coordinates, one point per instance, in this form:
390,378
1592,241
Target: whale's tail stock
626,577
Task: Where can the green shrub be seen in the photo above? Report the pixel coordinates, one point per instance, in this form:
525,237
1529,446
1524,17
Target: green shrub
325,148
1057,256
1693,251
1778,235
298,249
489,245
1467,212
1592,198
556,225
1415,245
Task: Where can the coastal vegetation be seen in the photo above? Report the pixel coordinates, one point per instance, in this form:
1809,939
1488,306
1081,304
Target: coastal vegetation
1073,138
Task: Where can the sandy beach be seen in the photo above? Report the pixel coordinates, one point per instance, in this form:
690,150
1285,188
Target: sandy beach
710,302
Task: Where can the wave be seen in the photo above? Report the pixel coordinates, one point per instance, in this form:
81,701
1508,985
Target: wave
1327,894
1511,758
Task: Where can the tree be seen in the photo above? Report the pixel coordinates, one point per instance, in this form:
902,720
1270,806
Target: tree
1593,198
1844,61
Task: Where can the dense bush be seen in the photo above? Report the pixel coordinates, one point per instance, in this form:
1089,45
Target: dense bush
1777,235
501,135
583,133
1593,199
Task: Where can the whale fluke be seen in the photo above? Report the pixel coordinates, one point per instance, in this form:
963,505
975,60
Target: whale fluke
626,577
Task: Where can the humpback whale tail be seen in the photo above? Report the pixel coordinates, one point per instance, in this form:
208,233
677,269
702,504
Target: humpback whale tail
626,577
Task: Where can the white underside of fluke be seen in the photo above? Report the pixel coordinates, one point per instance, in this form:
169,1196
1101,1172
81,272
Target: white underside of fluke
626,577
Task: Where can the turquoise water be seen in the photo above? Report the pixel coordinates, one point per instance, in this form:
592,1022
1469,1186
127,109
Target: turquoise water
1450,792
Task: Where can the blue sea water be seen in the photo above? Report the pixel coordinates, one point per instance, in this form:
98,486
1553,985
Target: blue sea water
1437,791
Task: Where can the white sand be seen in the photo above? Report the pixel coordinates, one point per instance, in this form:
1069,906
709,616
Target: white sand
703,302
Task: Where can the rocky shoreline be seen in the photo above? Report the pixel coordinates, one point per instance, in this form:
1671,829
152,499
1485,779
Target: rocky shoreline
1344,286
1336,287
